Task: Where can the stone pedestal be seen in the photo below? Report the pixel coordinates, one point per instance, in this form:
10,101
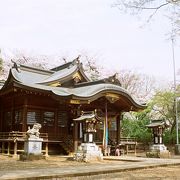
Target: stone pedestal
88,152
177,149
32,149
33,146
158,151
158,147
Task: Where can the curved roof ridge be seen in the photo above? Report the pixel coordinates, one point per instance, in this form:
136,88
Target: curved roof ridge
86,92
29,68
66,65
111,79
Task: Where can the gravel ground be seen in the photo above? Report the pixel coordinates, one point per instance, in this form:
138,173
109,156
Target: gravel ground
12,164
164,173
8,163
169,172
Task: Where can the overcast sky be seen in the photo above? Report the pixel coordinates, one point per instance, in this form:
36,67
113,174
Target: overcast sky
69,27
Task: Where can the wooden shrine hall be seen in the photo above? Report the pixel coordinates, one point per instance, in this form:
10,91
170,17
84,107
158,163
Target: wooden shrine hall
54,98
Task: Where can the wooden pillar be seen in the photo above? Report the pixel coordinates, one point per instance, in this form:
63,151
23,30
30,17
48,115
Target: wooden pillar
1,120
56,123
24,116
127,149
15,148
118,132
1,115
9,146
3,147
46,149
12,115
75,136
135,148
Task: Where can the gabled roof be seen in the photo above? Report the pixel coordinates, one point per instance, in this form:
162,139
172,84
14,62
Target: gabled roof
35,79
60,74
65,72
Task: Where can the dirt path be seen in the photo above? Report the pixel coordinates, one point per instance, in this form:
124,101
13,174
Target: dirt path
9,164
164,173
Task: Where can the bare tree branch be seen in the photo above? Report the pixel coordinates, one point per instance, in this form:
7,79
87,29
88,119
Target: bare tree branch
141,7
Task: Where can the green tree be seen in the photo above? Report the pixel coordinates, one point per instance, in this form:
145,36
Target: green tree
136,126
163,107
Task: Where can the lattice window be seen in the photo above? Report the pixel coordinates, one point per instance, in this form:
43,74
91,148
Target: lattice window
18,116
62,119
48,118
33,117
8,118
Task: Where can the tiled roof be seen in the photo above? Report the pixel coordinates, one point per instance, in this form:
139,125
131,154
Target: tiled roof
41,80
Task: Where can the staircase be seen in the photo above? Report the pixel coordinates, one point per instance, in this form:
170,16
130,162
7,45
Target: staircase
67,144
111,142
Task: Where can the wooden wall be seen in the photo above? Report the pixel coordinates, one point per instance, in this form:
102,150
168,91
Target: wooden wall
22,110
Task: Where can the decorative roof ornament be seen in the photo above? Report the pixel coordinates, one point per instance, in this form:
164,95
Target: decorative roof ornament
113,79
76,79
76,61
16,66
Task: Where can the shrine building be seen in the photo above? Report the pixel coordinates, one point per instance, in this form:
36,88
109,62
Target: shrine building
54,98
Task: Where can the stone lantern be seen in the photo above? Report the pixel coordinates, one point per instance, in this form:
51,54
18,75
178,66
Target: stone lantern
88,150
90,129
158,149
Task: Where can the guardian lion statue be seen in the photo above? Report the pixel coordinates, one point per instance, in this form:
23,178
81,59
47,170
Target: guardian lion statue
34,132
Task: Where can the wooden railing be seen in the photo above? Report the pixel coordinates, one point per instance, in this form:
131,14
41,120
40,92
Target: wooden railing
125,142
19,135
125,145
128,140
15,137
